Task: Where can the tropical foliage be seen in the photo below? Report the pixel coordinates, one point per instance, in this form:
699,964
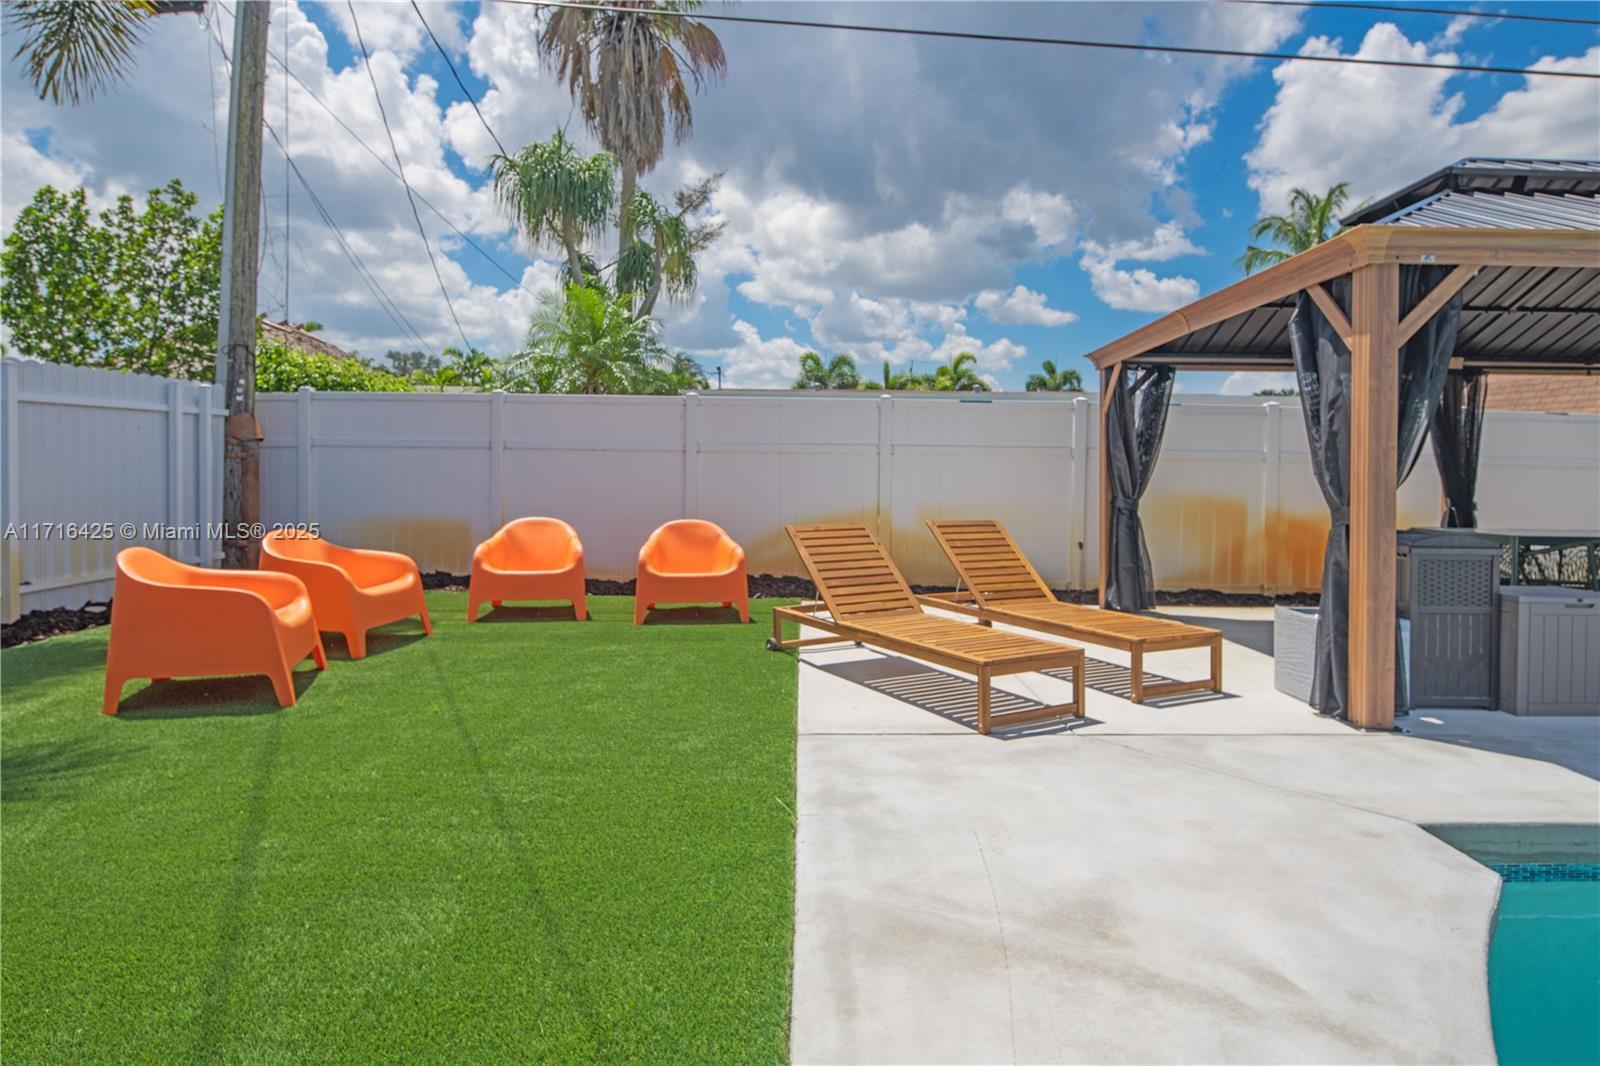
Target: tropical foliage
588,341
283,369
836,373
630,69
1310,220
134,289
959,375
1049,379
72,48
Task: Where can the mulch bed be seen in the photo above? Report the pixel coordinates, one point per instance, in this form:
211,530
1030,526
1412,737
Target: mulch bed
41,625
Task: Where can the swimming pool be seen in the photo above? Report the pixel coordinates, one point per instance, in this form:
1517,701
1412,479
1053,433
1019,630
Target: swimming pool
1544,958
1544,964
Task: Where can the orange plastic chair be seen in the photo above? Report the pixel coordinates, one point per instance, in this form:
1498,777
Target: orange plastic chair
169,619
352,589
528,559
690,561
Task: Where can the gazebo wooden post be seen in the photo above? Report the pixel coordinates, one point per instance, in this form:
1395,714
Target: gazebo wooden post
1110,378
1374,431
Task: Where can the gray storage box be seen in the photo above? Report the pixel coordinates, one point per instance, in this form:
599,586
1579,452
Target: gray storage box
1549,650
1294,645
1446,586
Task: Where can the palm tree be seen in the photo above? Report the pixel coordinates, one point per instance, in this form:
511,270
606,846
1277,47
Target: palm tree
1311,220
959,375
1053,380
74,47
837,373
629,71
558,196
661,254
589,342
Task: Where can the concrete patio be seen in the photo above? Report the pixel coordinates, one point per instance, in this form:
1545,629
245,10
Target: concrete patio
1209,879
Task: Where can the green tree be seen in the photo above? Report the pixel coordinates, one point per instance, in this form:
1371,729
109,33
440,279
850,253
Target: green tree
1052,380
959,375
136,290
629,69
471,369
558,196
836,373
74,47
589,342
1311,219
283,369
408,363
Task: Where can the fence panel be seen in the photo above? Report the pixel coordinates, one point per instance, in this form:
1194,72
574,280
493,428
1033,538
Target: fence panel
124,456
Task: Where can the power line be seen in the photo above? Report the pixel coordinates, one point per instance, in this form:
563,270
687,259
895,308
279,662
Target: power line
384,163
426,244
457,75
1406,9
1067,42
369,279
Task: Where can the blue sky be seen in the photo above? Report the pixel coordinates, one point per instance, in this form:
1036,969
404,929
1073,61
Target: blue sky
890,197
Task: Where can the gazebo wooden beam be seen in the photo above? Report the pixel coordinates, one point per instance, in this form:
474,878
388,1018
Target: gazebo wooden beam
1374,450
1109,380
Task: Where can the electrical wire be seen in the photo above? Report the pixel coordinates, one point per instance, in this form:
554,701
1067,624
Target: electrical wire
1406,9
1066,42
421,232
385,302
457,75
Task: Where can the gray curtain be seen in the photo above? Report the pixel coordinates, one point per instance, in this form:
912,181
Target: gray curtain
1322,366
1136,419
1457,437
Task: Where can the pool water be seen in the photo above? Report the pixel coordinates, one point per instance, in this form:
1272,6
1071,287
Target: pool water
1544,964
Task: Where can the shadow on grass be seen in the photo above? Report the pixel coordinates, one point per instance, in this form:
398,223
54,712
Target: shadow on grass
47,662
681,616
552,613
33,771
949,696
209,697
379,642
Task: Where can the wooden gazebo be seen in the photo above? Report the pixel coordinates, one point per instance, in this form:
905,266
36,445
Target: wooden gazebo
1521,241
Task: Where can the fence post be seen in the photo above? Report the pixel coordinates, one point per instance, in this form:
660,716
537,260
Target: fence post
1078,528
208,486
302,407
1271,552
174,464
11,494
691,455
497,459
886,471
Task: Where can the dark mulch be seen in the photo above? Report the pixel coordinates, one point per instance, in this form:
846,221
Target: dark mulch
39,625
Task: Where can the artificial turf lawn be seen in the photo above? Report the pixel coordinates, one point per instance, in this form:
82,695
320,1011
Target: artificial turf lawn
517,840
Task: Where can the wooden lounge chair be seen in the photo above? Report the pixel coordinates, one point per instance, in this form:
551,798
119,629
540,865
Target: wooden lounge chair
1002,586
864,599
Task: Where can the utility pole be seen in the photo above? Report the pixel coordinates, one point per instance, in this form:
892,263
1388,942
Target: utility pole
236,327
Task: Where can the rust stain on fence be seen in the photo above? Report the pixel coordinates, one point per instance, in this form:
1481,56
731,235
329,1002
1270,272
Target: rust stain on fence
435,543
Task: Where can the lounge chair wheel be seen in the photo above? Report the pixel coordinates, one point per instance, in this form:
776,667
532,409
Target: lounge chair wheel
773,645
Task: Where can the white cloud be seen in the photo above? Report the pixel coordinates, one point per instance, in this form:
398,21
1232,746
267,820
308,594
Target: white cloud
1380,128
1250,382
754,361
1136,290
1020,307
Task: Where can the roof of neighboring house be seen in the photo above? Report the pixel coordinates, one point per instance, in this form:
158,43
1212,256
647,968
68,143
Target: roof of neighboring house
1496,194
295,337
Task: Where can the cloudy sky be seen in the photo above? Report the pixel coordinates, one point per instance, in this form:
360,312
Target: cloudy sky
896,198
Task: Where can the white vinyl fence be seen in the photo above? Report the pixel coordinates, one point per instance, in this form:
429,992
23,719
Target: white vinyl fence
1233,505
94,461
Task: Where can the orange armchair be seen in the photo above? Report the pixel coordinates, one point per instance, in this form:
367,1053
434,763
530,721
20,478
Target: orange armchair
352,589
169,619
529,559
691,561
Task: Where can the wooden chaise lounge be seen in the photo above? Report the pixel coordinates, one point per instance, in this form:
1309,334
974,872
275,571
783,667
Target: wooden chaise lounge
864,599
1002,586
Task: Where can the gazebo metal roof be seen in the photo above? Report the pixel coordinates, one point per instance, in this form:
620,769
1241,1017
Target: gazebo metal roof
1529,228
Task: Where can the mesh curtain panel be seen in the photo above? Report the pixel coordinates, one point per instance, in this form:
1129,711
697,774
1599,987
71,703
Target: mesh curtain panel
1322,367
1457,438
1136,420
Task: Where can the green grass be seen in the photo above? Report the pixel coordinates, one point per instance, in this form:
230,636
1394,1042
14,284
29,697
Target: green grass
508,841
